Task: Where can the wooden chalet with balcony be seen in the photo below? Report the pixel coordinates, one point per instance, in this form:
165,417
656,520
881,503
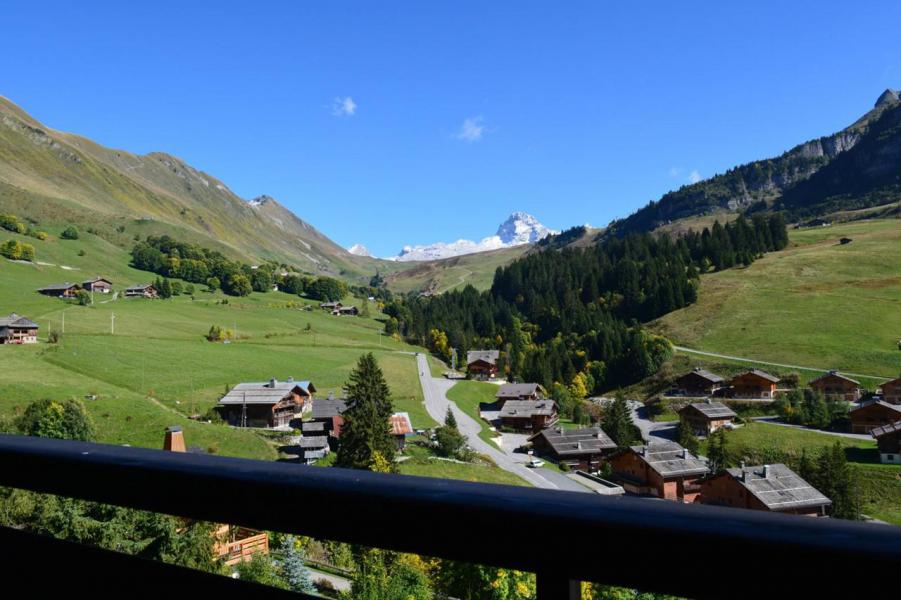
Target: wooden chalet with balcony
888,440
582,449
774,488
706,417
662,469
519,391
142,290
891,391
482,364
698,383
754,385
100,285
835,386
872,414
327,418
16,329
60,290
268,404
528,415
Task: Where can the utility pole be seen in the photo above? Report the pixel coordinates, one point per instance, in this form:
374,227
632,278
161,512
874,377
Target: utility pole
112,324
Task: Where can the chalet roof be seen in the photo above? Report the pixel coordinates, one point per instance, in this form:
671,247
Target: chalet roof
266,392
868,403
711,410
15,320
330,305
95,280
762,374
517,390
488,356
400,424
326,409
565,442
312,426
878,432
669,459
528,408
705,374
778,487
58,287
834,373
139,287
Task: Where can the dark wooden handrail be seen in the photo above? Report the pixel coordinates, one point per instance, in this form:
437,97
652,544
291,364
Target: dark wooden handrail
654,545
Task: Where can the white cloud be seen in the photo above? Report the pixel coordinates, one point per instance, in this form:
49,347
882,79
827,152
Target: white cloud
675,171
344,107
694,176
471,130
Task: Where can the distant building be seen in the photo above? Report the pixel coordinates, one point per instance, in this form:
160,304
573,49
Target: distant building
891,391
327,413
754,384
582,449
872,414
15,329
99,285
351,311
519,391
60,290
528,415
330,306
774,488
482,364
706,417
663,469
268,404
401,427
835,386
888,439
313,447
143,290
699,382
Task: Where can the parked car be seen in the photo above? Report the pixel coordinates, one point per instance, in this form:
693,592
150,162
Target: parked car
535,463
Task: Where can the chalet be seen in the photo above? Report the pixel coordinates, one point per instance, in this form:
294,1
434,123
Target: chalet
754,384
519,391
60,290
699,382
706,417
582,449
835,386
351,311
329,414
774,488
401,427
528,415
662,469
891,391
872,414
99,285
888,439
18,330
482,364
330,306
143,290
269,404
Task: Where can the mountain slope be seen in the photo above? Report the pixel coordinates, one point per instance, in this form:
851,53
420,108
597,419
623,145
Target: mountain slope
52,176
764,180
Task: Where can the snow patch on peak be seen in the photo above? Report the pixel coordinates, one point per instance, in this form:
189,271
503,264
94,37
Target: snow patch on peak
260,200
360,250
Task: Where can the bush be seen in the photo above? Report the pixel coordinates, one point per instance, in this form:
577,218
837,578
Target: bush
82,298
54,336
14,250
69,233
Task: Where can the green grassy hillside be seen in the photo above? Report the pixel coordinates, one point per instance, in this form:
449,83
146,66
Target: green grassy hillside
818,303
452,273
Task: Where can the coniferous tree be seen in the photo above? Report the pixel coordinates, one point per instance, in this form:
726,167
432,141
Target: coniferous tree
618,423
294,569
717,451
687,438
365,433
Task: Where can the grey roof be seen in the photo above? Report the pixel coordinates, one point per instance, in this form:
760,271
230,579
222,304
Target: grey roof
54,287
669,458
763,374
527,408
489,356
139,287
878,432
781,489
15,320
265,392
313,442
95,280
834,374
705,374
309,426
711,410
883,403
517,390
565,442
326,409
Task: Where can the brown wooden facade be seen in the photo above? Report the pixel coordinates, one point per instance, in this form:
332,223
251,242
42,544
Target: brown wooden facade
835,386
873,414
726,489
891,391
755,385
636,476
698,383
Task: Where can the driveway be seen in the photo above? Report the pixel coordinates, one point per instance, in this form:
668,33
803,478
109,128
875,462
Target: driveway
659,430
435,391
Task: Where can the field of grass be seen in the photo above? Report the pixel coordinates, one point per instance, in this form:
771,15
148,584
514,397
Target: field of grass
468,395
156,369
816,304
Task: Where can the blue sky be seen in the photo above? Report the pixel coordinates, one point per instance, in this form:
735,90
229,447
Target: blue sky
390,123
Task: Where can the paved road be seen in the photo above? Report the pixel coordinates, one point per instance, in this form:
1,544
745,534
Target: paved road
775,421
341,584
650,429
435,391
772,364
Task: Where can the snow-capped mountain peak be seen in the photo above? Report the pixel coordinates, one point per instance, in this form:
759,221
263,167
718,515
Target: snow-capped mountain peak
519,228
359,250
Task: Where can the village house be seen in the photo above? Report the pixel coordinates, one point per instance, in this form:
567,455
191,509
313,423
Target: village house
268,404
519,391
327,418
873,413
835,386
706,417
662,469
60,290
143,290
888,439
15,329
232,544
891,391
528,415
99,285
482,364
754,385
699,382
582,449
401,427
774,488
346,311
330,306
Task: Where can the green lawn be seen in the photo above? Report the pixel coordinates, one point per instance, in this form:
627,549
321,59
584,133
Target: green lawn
468,395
